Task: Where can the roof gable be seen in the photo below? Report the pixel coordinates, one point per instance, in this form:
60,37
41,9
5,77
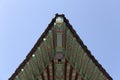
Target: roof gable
86,58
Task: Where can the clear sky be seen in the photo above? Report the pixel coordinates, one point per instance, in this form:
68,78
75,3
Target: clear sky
22,22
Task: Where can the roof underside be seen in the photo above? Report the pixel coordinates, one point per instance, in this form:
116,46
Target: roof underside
77,62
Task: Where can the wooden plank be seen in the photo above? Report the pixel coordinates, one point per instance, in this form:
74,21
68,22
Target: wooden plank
82,65
81,60
17,78
45,74
72,51
48,42
76,76
73,74
100,77
26,72
21,75
92,72
38,62
68,71
44,57
28,69
67,42
65,69
40,59
76,46
69,45
70,74
79,77
42,76
51,71
78,59
35,66
88,70
97,75
46,48
32,68
70,48
48,72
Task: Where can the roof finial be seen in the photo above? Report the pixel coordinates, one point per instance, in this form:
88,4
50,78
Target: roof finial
59,20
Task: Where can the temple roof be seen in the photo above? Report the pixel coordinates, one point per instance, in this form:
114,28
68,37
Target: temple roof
78,40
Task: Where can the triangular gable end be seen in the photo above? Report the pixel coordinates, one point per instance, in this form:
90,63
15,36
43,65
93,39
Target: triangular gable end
60,54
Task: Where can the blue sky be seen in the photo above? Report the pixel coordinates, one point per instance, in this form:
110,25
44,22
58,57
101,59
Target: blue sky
22,22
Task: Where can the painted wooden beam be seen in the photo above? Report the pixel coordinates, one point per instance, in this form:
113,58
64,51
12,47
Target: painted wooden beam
65,69
48,73
71,71
53,69
42,76
76,76
68,71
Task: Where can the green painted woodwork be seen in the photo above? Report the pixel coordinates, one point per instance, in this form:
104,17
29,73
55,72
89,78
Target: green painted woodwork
81,62
50,42
36,66
17,78
39,59
26,73
90,69
38,62
72,52
81,53
59,40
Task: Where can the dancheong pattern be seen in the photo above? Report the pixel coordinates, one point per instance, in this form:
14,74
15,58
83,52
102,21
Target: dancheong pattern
60,54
